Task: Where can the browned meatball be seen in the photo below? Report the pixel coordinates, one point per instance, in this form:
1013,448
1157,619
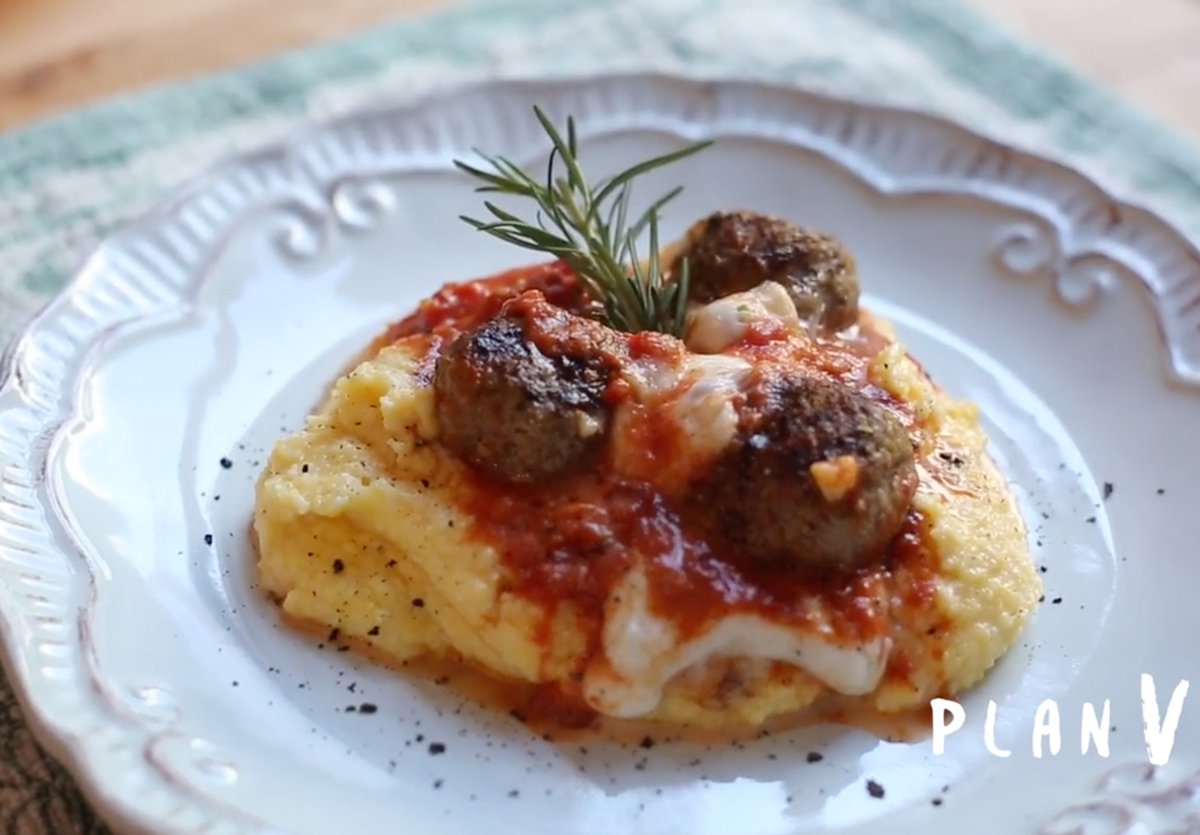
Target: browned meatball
818,475
730,252
521,396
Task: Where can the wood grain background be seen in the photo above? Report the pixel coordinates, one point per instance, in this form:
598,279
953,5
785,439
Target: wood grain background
55,54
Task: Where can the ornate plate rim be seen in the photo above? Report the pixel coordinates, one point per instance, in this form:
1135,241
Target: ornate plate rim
1090,227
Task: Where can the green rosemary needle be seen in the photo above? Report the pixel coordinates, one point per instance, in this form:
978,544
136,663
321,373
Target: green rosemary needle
587,227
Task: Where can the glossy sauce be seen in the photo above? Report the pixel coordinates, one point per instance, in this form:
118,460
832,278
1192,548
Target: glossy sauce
460,306
574,540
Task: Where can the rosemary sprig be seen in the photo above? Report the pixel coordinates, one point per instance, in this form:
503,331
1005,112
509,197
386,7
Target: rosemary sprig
587,227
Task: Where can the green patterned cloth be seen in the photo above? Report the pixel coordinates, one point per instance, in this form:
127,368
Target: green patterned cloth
66,182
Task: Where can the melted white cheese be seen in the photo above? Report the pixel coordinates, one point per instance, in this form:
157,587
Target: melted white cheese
644,652
713,327
704,403
697,394
650,378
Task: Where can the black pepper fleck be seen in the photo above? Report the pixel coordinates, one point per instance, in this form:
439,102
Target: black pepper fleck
436,748
374,630
304,468
814,757
208,539
1108,489
647,742
937,801
338,566
513,793
1042,569
1160,491
1090,520
367,707
874,789
226,463
418,602
437,784
1056,600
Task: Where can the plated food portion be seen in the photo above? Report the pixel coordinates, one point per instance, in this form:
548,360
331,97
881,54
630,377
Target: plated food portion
701,489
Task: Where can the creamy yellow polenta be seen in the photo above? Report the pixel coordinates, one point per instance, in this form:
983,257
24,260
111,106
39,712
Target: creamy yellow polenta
359,528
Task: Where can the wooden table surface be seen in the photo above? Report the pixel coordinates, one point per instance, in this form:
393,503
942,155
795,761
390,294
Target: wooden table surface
55,54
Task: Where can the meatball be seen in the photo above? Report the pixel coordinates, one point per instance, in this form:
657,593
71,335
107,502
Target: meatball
818,476
521,396
730,252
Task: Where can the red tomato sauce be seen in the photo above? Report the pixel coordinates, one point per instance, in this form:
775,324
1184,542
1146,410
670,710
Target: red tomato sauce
573,541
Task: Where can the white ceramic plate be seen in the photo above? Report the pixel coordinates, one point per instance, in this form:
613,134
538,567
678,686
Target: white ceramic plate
149,665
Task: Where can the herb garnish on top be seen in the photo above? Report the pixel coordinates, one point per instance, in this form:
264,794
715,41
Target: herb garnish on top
586,226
